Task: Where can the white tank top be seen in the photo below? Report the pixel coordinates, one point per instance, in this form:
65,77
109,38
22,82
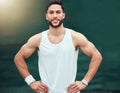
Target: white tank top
57,62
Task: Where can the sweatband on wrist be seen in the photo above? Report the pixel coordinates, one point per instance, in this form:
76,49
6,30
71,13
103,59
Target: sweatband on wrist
29,79
84,82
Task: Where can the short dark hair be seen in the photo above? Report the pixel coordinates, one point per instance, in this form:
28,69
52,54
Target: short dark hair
59,2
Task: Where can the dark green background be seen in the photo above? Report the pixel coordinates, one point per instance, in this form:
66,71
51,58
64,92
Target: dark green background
98,20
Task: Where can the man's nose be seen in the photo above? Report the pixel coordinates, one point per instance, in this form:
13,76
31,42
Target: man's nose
54,15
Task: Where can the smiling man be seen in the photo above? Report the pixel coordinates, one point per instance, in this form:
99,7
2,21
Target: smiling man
55,16
58,49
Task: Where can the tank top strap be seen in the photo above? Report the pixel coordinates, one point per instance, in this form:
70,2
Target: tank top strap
44,34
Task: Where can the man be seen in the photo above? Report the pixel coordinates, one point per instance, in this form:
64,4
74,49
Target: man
57,52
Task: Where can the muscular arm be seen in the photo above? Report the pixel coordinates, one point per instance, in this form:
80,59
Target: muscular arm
89,49
26,51
20,57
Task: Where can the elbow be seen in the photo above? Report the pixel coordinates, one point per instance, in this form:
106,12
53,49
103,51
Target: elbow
99,58
16,58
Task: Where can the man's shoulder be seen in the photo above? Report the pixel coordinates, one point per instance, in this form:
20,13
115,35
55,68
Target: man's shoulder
76,33
36,38
38,35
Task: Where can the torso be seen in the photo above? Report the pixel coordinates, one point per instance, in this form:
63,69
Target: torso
59,55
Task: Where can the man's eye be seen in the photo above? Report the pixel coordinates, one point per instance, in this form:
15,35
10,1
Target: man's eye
51,12
58,12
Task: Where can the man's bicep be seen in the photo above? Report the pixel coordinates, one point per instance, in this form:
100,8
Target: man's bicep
31,45
26,50
85,45
88,48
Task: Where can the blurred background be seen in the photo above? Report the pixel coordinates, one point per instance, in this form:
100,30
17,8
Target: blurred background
98,20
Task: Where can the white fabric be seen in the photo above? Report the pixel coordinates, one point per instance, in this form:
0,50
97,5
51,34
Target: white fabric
57,62
29,79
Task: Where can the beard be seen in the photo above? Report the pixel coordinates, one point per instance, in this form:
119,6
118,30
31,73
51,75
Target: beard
55,26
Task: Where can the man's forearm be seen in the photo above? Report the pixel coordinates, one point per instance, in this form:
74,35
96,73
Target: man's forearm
93,68
21,66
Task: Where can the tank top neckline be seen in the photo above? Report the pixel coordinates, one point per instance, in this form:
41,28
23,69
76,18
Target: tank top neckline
60,41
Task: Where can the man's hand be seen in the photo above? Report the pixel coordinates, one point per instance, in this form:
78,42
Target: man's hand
38,86
75,87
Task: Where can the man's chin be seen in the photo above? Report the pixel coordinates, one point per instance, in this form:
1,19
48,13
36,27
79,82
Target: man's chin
55,25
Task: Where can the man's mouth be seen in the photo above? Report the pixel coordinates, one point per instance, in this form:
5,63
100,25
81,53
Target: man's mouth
55,20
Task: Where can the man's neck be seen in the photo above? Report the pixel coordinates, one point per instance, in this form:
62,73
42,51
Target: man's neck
57,31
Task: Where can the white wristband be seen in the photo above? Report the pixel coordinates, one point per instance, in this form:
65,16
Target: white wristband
84,82
29,79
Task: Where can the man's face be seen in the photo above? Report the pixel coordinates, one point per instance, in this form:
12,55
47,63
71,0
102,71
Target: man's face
55,15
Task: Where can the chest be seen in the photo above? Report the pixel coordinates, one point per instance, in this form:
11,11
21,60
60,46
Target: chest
55,39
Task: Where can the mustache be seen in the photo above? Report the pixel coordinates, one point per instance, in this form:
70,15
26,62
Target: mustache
55,19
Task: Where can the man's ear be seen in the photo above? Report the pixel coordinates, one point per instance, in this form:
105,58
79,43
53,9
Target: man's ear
64,15
46,17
